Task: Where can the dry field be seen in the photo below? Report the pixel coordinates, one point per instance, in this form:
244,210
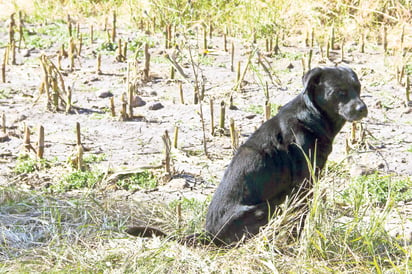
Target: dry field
129,96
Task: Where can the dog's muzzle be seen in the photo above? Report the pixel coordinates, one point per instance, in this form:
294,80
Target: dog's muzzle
355,111
362,110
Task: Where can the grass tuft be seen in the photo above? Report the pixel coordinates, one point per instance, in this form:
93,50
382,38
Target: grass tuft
378,190
78,180
142,180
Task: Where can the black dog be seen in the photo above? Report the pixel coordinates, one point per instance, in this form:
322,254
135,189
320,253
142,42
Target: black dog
271,163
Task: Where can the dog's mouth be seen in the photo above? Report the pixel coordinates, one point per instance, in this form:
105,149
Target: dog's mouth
354,119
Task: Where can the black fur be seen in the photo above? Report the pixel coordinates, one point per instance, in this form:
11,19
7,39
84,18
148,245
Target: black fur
271,163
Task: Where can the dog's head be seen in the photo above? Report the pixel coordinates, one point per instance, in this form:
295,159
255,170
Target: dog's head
335,92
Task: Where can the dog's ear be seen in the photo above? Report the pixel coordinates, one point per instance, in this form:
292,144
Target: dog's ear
311,79
352,74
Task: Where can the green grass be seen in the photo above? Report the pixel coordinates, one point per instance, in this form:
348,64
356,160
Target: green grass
78,180
159,60
259,109
206,60
194,213
108,47
42,40
141,180
136,45
5,94
290,55
26,164
94,158
408,69
378,189
101,115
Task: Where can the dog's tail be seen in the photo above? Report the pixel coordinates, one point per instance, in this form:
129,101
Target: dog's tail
145,231
197,239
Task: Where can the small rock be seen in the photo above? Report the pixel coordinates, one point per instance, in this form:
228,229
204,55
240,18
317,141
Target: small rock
361,170
244,83
4,138
105,94
26,53
178,184
138,101
20,119
156,106
378,104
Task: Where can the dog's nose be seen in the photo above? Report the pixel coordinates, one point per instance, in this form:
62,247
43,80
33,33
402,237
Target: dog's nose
362,109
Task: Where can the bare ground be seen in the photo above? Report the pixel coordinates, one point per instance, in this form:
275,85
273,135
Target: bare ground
131,145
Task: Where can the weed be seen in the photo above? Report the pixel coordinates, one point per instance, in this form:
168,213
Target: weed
26,164
222,65
3,42
259,109
108,47
290,56
145,180
274,108
408,69
377,189
99,115
42,38
336,169
4,94
137,45
206,60
194,152
39,42
158,59
94,158
78,180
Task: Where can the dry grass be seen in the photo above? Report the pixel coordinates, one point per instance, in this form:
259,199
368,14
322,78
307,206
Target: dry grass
83,233
264,17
